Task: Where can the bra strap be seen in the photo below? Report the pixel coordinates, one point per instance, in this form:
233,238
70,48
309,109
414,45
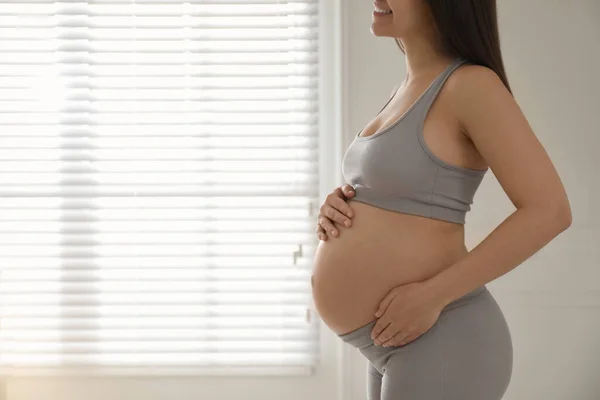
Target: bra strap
438,83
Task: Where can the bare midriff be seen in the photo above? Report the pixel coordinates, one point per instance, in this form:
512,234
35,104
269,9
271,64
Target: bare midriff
382,249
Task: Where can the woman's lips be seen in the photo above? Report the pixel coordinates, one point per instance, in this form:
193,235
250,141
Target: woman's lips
381,9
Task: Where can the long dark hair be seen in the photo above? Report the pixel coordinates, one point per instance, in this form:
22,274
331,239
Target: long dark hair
469,29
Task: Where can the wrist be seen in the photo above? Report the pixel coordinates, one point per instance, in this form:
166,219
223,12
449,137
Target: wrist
438,289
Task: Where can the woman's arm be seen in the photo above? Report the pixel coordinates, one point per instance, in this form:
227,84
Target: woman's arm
492,119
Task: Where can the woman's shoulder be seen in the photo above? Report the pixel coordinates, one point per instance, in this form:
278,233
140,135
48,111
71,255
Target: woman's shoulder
473,78
473,84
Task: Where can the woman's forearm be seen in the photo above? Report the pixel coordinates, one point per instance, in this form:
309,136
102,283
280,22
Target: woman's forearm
516,239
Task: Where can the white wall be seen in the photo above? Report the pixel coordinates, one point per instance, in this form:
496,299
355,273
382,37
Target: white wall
551,51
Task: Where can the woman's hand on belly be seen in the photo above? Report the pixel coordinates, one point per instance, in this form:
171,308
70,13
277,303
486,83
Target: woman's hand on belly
335,209
405,313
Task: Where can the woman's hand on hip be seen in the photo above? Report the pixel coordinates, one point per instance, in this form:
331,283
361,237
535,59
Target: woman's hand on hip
405,313
335,209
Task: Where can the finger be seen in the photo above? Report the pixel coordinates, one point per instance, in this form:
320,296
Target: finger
408,339
319,230
379,326
389,332
327,225
332,215
385,303
344,190
336,209
339,205
336,216
348,191
342,205
397,339
321,234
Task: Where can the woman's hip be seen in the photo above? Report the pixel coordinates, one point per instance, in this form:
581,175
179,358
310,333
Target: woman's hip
470,343
360,337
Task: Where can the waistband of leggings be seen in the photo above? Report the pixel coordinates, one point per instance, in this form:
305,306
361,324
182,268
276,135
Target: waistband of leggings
361,337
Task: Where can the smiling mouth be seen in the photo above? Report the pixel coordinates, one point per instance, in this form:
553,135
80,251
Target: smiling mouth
381,11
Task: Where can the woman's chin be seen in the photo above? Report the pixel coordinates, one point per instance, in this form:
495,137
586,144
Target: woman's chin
381,32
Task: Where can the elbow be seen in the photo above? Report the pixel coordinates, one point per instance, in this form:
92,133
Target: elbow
562,216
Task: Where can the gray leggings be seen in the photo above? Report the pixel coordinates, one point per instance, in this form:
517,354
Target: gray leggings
466,355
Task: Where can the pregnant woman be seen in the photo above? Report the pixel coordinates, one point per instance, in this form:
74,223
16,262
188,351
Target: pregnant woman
398,282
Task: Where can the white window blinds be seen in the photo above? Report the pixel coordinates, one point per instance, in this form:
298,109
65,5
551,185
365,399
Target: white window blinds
158,168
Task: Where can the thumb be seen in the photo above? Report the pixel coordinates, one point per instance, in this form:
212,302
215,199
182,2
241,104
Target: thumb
348,191
384,304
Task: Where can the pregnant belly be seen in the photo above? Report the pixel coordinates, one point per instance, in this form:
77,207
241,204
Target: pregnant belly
382,249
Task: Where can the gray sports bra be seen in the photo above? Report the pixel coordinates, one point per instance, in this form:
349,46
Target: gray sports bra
395,170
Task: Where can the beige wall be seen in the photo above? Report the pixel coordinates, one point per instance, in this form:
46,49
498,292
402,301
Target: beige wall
552,301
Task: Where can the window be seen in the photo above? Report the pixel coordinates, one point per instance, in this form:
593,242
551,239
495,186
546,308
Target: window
158,176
